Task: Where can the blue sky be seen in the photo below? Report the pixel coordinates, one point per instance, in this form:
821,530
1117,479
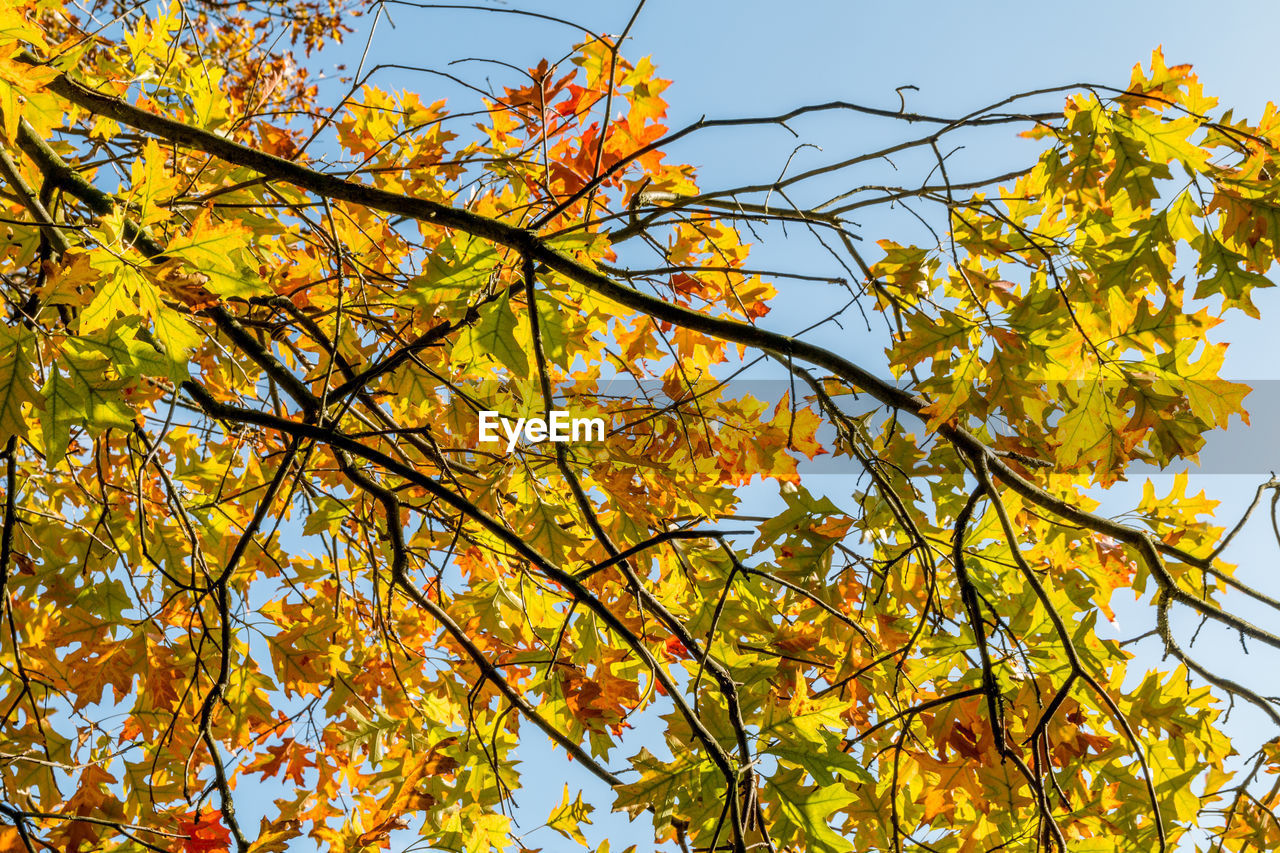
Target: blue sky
757,58
754,58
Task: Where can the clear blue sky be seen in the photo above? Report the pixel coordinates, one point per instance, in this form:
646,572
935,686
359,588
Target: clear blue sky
752,58
747,57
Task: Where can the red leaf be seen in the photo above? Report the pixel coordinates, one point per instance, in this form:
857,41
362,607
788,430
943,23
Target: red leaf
206,835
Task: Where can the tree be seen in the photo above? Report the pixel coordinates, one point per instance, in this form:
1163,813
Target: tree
250,531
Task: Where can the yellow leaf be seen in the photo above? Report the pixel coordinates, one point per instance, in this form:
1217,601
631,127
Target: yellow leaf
177,336
112,297
15,380
568,817
149,182
220,251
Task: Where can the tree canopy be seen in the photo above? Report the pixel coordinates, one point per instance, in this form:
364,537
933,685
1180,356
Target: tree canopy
252,540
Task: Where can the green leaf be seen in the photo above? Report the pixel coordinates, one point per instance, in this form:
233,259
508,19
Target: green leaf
465,265
1140,257
657,788
1230,278
220,251
952,386
545,532
371,732
15,380
61,412
103,404
173,333
1164,139
1132,172
88,395
106,598
806,810
927,338
111,296
413,385
494,336
1089,430
123,291
132,353
823,764
329,513
555,338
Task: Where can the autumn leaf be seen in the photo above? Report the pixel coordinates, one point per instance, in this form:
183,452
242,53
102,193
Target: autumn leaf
567,818
15,381
494,338
203,835
275,837
831,579
218,251
806,813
